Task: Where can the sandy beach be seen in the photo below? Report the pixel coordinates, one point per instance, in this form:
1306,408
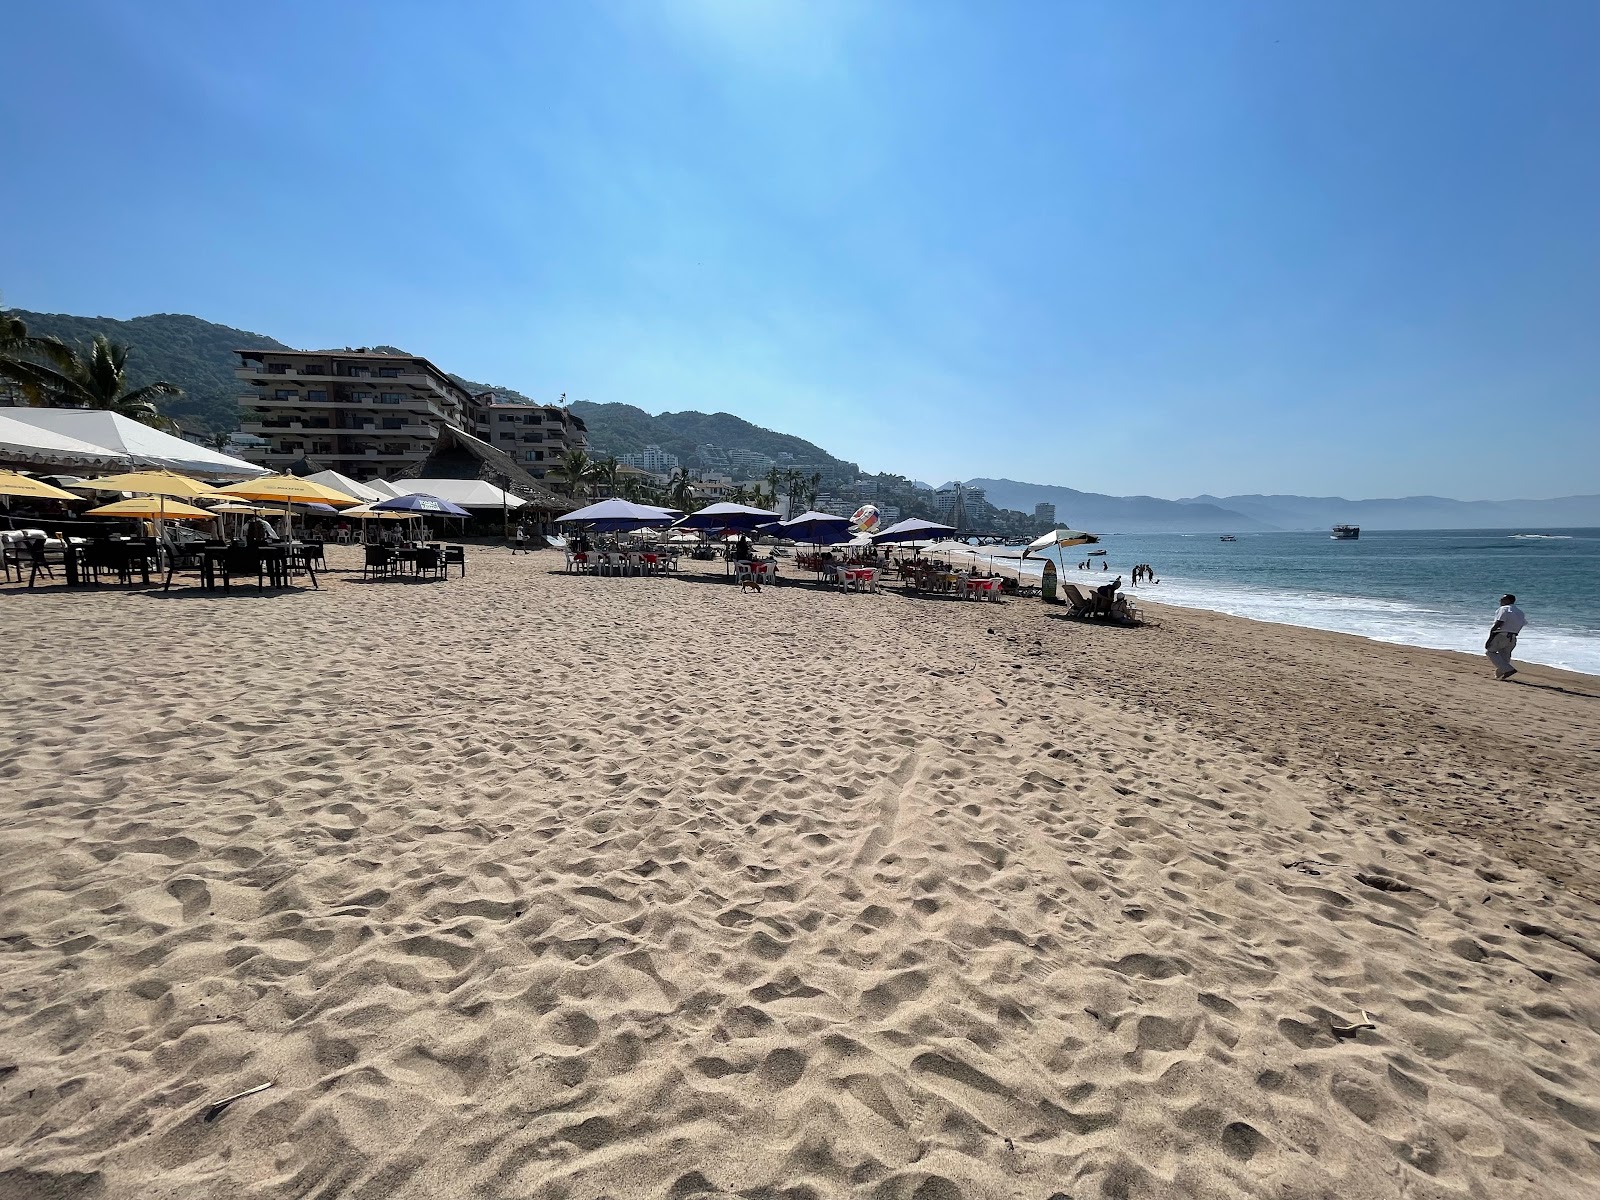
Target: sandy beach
534,885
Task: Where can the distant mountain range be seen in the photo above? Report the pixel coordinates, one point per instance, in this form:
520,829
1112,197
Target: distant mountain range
1118,514
197,355
1411,512
1247,514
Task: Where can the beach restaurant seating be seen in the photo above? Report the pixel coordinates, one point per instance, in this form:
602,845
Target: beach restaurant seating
983,588
37,561
380,561
455,556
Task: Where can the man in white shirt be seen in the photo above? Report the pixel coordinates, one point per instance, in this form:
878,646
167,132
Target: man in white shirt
1509,621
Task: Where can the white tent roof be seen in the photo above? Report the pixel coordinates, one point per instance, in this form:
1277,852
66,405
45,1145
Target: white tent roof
147,447
384,488
343,483
468,493
22,442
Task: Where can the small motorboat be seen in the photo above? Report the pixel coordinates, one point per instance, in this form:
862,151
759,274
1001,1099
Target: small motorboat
1227,537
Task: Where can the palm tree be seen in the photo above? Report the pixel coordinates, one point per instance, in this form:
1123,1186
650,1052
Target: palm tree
99,381
773,477
605,472
29,364
578,470
680,492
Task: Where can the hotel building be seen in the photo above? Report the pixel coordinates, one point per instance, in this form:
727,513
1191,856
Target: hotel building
365,414
538,436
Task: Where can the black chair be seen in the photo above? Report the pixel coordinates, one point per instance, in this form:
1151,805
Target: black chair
379,562
305,558
458,556
37,561
431,562
241,562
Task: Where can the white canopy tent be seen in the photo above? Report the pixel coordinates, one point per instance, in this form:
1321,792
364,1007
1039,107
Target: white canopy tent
468,493
350,487
21,442
147,447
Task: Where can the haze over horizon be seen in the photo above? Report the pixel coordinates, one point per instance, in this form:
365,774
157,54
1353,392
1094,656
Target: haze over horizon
1226,249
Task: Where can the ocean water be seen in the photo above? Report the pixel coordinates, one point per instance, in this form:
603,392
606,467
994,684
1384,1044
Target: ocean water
1419,588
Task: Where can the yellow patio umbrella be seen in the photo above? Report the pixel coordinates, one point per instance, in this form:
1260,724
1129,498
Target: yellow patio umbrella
158,483
154,483
151,506
14,484
287,489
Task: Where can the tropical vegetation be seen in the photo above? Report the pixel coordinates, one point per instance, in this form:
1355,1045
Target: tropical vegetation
47,371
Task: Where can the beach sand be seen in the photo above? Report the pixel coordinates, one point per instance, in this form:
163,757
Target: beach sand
530,885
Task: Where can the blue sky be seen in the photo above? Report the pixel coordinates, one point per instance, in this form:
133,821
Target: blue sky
1164,248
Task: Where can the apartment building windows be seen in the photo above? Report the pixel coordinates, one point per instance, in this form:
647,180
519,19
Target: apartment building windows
422,400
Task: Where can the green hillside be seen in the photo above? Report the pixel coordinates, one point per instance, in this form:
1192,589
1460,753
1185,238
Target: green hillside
622,428
194,354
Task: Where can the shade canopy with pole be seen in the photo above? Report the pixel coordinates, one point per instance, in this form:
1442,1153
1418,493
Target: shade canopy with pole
366,512
818,528
151,508
616,516
14,484
913,529
153,483
421,504
739,518
1059,538
160,483
287,490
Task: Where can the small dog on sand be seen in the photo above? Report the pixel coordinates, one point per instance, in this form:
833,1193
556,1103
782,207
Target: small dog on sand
749,583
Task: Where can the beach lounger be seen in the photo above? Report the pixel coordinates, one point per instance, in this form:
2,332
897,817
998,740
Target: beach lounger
1079,603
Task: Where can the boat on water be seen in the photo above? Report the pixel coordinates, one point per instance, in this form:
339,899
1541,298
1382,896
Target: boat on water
1346,533
1227,537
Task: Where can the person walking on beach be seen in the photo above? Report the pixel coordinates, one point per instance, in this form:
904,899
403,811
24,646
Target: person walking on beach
1509,621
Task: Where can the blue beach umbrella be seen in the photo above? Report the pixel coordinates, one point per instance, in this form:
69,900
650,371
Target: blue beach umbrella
818,528
421,504
738,518
913,530
618,516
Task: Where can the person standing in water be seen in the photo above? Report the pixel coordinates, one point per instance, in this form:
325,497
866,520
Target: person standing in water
1509,620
